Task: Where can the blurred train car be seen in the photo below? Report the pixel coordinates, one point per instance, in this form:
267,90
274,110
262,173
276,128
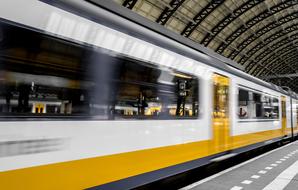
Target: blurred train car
92,99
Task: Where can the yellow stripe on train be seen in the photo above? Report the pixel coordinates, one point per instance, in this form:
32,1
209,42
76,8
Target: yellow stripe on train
81,174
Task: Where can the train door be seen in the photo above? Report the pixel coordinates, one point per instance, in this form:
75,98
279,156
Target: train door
294,116
283,115
221,131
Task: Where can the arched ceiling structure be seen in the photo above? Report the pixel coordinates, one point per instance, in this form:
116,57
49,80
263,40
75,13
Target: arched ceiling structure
261,35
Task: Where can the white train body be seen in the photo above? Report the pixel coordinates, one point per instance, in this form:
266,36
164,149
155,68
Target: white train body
32,143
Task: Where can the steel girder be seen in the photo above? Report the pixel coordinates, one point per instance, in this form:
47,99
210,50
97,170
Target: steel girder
289,54
282,64
229,19
265,29
283,47
291,60
276,64
279,34
275,81
254,70
291,81
250,67
277,67
258,18
272,62
285,53
262,66
275,46
168,12
292,84
191,26
129,3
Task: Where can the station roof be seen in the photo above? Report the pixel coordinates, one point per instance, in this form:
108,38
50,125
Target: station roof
260,35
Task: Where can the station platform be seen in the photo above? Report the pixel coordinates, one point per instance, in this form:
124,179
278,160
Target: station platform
274,170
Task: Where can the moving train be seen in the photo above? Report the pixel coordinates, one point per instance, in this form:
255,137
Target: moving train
91,99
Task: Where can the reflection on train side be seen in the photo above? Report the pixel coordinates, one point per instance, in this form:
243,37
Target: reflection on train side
31,146
32,107
35,97
41,75
153,109
30,98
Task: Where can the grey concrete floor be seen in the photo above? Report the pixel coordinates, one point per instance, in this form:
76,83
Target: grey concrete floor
254,174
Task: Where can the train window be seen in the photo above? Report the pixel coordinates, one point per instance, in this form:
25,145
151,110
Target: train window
256,105
243,99
148,92
43,76
270,107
